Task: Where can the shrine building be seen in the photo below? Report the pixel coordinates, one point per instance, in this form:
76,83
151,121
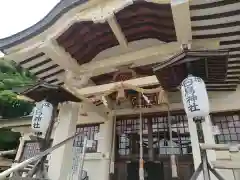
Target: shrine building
106,51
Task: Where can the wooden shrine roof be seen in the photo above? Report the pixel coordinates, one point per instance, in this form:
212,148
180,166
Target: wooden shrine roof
141,20
51,93
211,66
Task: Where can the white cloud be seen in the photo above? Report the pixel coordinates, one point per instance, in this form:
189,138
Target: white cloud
17,15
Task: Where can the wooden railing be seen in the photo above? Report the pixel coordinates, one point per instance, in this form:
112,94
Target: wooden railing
29,161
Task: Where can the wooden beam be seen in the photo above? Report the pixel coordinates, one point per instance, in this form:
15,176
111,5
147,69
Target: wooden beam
3,153
182,20
218,147
232,76
138,58
51,49
116,29
106,65
156,109
59,55
25,53
77,80
100,111
235,157
140,82
65,60
161,1
16,122
226,164
97,12
221,84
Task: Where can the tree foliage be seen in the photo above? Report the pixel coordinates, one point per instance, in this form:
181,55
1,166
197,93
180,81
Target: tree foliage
8,139
13,76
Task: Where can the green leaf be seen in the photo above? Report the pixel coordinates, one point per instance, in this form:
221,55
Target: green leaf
13,76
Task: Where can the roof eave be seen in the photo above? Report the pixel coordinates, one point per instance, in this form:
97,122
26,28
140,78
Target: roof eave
60,9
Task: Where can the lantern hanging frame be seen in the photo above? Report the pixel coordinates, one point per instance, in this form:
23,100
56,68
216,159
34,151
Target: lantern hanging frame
45,144
204,165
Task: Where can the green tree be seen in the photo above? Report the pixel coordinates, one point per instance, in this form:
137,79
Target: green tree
13,76
8,139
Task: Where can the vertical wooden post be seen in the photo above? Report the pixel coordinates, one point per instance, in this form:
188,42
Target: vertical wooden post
141,161
235,156
150,140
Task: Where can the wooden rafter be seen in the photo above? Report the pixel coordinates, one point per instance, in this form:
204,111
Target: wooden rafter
182,21
117,31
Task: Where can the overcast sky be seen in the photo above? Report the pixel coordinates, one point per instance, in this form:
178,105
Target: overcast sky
17,15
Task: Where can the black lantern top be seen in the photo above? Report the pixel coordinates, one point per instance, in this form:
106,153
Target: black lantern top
211,66
51,93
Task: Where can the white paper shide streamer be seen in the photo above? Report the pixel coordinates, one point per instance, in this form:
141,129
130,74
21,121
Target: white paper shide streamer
194,97
42,115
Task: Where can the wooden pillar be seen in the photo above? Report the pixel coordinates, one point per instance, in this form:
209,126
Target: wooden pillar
25,132
150,140
60,162
235,156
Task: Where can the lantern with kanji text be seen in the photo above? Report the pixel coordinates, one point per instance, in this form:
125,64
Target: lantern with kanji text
42,115
195,97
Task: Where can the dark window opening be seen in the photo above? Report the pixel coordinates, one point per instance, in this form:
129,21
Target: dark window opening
155,136
30,149
229,127
90,132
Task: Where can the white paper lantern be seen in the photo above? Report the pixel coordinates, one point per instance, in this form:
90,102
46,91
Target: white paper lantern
195,97
42,115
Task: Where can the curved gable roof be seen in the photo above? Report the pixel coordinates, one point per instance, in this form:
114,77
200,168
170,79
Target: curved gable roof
62,7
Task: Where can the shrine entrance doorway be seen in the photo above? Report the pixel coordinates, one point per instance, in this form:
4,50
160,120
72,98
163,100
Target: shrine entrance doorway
152,171
156,147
